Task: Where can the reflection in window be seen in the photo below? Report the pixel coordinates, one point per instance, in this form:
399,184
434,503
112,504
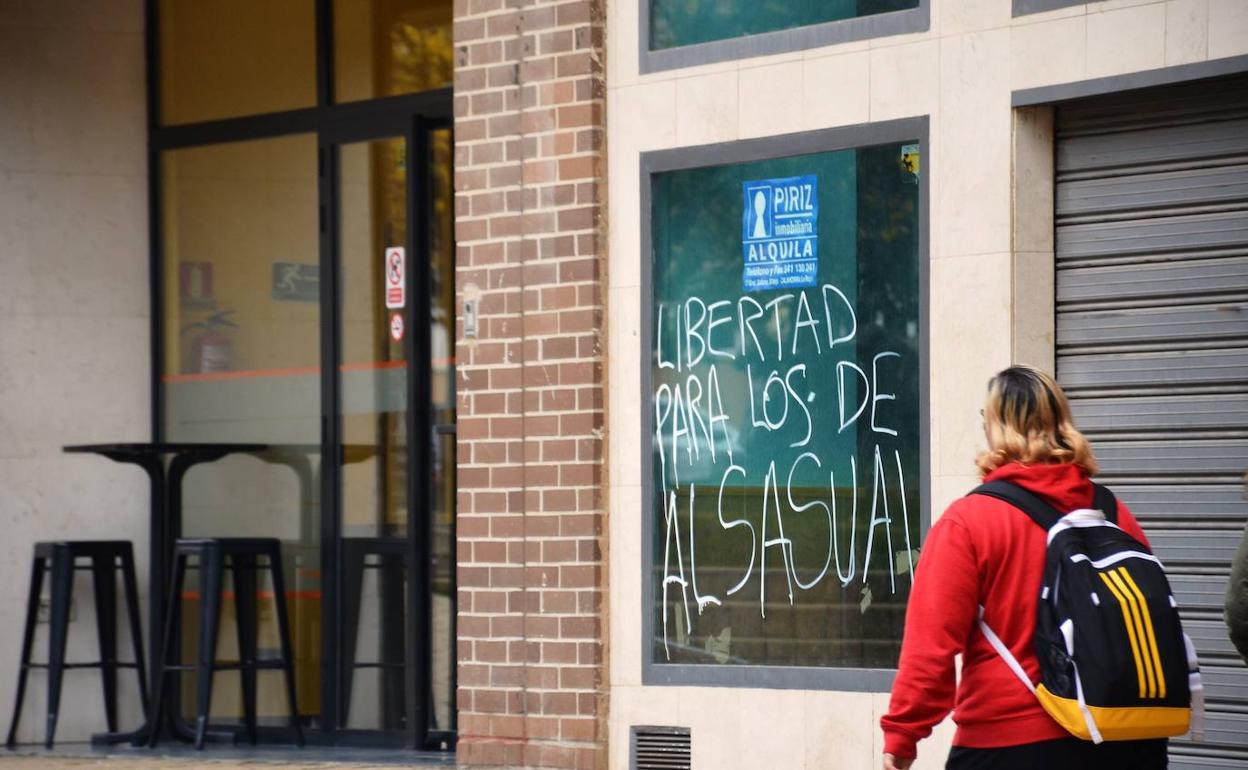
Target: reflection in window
784,414
390,47
681,22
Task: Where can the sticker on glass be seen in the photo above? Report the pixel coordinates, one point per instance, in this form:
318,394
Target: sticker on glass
780,233
911,161
396,284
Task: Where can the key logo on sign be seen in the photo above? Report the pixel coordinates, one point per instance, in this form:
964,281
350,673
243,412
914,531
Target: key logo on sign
780,233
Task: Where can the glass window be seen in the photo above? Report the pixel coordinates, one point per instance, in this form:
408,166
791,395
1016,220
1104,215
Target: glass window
784,413
373,223
390,47
242,364
373,456
227,58
680,22
242,310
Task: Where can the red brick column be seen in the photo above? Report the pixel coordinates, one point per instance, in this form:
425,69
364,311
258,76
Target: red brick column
529,165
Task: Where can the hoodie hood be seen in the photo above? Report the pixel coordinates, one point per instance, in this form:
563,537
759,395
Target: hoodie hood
1065,486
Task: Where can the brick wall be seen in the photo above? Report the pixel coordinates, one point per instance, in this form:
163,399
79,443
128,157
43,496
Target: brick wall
529,165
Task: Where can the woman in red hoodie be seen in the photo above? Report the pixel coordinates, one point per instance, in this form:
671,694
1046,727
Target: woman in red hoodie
985,551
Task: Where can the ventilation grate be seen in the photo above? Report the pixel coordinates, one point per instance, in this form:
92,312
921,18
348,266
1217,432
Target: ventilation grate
661,748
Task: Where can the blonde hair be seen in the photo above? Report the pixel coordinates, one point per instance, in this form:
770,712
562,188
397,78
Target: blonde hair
1027,420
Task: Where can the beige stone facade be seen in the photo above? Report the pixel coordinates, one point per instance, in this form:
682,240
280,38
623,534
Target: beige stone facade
991,271
74,320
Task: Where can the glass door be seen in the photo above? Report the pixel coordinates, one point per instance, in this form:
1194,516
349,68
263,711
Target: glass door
338,354
303,263
242,322
375,512
391,533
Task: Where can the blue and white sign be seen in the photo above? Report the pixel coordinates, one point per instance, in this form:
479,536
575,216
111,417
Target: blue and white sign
779,233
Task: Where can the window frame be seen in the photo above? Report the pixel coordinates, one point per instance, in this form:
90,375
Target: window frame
1026,7
768,148
910,20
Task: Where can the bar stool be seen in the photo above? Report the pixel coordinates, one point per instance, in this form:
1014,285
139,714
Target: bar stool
391,566
61,558
243,555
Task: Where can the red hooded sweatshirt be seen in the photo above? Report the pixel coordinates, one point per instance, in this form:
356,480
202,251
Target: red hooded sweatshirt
981,551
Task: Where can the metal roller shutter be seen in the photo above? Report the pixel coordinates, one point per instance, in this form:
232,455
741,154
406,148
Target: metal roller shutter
1152,343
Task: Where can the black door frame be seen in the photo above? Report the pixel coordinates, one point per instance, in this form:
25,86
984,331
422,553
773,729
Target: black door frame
413,117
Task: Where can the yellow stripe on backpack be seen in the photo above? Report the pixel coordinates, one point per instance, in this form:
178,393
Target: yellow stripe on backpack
1148,627
1126,616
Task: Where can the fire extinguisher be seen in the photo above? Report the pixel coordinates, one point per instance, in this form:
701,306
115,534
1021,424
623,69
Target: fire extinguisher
210,349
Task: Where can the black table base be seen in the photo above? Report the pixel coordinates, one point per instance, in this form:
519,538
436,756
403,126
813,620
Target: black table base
166,465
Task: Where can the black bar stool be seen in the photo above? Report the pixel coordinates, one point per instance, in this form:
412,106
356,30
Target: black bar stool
391,566
61,558
243,555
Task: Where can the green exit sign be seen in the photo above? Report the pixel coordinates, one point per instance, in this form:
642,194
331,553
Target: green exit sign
296,282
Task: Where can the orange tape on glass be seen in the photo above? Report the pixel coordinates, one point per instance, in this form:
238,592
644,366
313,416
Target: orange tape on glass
296,371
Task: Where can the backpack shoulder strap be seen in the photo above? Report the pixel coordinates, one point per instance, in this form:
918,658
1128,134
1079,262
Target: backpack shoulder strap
1104,501
1036,509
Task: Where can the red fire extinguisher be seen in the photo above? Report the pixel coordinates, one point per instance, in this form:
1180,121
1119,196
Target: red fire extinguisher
210,348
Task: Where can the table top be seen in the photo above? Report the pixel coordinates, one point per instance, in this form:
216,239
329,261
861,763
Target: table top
187,447
163,447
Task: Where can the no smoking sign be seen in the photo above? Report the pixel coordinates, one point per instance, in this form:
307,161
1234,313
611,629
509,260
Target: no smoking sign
396,327
396,279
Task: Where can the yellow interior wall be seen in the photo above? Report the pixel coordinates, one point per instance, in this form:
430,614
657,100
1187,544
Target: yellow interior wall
390,47
241,207
227,58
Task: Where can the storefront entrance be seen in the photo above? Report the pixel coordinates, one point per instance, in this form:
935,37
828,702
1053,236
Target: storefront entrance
304,267
393,527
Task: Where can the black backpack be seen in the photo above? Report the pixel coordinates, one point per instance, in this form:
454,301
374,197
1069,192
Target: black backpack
1115,664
